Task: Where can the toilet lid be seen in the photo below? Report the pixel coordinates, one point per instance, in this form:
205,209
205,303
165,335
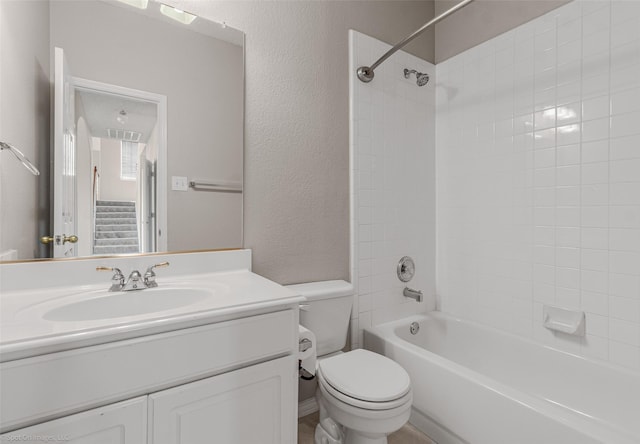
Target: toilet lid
365,375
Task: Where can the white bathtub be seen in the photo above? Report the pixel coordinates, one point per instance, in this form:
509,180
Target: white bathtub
474,384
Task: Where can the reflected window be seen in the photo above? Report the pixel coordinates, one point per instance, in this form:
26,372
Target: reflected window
128,160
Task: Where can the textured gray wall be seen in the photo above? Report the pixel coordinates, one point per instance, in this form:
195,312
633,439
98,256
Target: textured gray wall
24,122
297,124
482,20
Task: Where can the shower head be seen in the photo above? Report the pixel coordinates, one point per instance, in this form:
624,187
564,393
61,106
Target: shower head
421,78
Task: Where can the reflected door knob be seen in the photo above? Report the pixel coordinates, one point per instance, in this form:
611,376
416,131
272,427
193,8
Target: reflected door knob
73,239
47,239
59,239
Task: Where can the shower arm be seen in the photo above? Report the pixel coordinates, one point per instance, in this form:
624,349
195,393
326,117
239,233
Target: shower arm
366,73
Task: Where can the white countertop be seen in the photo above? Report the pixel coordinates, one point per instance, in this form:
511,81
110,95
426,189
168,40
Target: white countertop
24,332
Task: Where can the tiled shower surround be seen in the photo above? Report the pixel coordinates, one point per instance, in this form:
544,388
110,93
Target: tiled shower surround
393,183
538,178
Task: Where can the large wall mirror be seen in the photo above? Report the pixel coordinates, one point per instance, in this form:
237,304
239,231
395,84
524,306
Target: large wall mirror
133,112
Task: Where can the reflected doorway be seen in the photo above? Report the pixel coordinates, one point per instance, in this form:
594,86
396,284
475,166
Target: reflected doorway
119,140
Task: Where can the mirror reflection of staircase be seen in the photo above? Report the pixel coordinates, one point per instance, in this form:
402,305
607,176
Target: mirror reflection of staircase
116,228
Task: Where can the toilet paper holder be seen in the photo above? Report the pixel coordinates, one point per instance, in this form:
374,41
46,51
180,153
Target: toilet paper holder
306,353
304,345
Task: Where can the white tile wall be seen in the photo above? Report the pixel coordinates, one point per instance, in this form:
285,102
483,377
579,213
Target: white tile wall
393,183
538,160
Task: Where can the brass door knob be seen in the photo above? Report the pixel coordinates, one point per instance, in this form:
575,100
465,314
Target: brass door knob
73,239
47,239
57,239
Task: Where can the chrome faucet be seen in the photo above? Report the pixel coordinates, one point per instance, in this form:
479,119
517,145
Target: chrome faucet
136,281
413,294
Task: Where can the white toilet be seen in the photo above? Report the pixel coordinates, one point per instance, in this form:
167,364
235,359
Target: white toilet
362,396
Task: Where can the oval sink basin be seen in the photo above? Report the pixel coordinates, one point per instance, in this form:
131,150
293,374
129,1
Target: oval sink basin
129,303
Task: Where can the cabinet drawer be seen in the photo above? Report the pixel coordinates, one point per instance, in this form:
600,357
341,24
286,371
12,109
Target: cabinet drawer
49,386
120,423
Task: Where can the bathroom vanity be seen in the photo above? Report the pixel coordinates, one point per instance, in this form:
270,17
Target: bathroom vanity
210,355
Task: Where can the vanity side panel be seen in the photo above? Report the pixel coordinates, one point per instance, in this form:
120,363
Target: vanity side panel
72,381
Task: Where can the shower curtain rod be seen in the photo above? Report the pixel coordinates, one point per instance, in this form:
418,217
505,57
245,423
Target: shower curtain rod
366,73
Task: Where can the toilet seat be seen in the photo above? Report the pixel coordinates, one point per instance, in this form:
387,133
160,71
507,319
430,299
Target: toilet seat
365,380
330,391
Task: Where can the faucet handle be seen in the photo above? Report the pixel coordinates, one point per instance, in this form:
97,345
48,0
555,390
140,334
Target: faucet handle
150,276
117,280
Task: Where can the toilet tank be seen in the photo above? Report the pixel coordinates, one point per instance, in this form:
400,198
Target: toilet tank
326,312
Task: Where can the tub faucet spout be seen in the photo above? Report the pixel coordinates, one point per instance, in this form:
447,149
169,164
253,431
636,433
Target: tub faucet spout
413,294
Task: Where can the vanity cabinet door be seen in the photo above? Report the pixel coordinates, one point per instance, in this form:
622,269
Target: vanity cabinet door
255,404
121,423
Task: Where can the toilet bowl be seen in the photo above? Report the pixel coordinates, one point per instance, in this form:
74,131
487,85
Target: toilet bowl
363,397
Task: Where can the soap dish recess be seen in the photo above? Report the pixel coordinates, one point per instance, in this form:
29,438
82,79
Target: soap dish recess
565,321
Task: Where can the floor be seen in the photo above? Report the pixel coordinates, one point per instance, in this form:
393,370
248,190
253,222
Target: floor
406,435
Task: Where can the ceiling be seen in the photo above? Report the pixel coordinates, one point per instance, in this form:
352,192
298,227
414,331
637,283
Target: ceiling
101,110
